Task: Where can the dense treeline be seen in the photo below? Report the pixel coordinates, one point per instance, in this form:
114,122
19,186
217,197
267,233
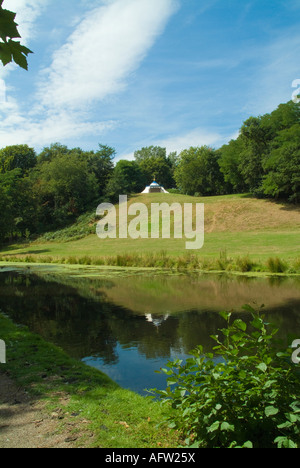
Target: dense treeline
264,160
48,191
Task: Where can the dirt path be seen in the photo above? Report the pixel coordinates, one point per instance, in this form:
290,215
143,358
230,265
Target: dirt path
24,422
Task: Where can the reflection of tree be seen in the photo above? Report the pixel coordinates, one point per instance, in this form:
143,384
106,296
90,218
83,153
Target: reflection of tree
78,317
151,341
59,314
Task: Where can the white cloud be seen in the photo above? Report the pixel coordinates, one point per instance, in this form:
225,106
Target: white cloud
196,137
178,143
43,132
105,48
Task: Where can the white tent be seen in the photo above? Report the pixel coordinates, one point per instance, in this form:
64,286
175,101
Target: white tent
154,188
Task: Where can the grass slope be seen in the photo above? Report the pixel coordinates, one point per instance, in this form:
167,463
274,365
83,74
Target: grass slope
235,226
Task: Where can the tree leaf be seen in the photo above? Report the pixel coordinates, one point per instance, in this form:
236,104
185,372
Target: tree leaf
225,426
262,366
11,50
248,444
8,27
271,411
214,427
240,324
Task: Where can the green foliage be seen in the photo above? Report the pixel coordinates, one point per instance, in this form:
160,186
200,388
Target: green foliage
82,227
17,157
127,178
65,187
276,265
154,163
101,164
283,166
265,158
245,395
255,137
198,172
11,50
49,191
230,158
16,204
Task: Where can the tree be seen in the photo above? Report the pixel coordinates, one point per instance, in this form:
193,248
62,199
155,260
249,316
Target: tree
101,164
7,217
285,116
198,171
17,157
127,178
153,152
283,166
154,163
264,158
256,138
16,204
230,157
50,152
65,188
11,50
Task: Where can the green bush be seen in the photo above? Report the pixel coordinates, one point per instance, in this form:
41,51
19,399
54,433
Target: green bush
275,265
244,264
245,395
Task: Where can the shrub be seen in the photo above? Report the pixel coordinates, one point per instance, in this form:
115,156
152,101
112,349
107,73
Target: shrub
275,265
244,264
246,395
223,261
297,264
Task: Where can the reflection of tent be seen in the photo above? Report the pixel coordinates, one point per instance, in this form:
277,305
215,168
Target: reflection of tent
154,188
157,321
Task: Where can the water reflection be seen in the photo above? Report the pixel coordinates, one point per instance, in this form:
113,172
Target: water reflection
129,327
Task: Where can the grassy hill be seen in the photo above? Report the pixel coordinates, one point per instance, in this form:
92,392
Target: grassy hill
238,229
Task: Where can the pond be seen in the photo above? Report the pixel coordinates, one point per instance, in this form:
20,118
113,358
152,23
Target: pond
129,326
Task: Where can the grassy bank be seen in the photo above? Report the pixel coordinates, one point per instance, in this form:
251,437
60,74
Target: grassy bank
241,234
184,263
117,418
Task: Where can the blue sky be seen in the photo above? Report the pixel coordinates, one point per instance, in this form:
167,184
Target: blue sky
134,73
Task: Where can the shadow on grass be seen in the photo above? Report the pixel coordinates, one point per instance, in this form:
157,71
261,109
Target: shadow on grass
28,252
283,204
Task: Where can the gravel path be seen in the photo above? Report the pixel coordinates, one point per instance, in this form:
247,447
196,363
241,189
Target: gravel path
24,422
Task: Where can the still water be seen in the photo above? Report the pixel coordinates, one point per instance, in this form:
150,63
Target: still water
130,326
